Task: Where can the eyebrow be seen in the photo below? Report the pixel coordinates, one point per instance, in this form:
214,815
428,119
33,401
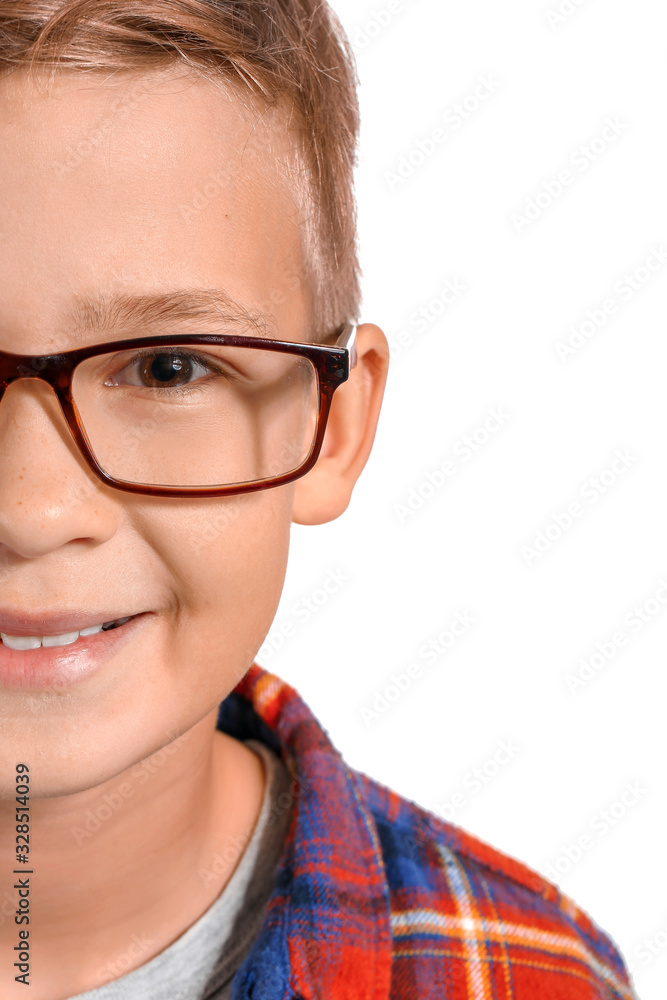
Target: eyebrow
107,314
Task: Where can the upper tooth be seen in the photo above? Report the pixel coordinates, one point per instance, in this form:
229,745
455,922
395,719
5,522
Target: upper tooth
35,641
60,640
91,630
21,641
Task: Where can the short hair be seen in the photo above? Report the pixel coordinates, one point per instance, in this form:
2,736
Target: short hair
289,54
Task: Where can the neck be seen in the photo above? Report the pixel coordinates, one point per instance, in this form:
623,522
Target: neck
122,870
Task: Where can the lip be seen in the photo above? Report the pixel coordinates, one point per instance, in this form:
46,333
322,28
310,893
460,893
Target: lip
58,668
54,622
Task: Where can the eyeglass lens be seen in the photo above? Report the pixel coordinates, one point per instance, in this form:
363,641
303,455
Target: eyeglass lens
197,415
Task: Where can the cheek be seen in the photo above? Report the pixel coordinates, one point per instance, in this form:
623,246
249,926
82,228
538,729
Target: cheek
228,576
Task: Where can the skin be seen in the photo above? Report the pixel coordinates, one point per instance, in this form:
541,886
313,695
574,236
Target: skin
111,222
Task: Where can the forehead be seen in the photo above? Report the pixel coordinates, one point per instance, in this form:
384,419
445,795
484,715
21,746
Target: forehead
141,184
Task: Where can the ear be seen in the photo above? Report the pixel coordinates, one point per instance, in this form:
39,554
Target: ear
324,493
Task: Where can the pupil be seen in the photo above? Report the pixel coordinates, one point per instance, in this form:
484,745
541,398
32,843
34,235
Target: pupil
166,368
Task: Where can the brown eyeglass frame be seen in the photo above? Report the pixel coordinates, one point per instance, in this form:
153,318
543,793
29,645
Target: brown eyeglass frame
332,364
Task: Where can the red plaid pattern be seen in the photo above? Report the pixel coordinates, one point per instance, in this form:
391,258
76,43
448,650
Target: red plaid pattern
377,899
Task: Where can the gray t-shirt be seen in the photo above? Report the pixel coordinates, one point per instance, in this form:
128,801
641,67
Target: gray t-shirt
201,963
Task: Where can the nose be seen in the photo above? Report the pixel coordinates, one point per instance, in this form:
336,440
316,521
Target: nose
48,495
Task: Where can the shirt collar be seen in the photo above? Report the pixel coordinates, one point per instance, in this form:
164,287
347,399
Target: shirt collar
326,932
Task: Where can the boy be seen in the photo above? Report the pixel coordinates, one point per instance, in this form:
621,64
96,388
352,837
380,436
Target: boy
178,293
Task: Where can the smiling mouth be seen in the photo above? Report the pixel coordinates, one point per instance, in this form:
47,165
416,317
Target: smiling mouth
26,642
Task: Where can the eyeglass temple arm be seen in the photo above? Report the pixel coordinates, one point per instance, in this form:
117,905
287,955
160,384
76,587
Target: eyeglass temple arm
348,340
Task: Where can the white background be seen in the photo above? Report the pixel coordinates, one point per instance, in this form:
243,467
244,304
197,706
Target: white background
459,215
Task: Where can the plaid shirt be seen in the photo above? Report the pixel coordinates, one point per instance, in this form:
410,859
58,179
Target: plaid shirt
377,899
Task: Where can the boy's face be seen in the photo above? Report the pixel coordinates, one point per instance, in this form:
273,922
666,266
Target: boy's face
143,184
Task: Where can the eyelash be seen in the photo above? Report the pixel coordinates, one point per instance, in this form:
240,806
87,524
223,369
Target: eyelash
188,356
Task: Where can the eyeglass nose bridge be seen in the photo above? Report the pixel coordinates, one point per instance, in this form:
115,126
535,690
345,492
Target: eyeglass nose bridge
57,372
54,369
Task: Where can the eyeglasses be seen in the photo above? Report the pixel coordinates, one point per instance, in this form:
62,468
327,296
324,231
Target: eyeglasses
195,416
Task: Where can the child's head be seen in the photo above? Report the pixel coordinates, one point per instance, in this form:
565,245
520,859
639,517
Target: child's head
156,153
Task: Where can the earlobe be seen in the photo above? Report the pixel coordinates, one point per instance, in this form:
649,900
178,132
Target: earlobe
325,492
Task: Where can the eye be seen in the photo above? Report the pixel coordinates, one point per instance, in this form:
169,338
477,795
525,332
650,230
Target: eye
160,369
164,370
